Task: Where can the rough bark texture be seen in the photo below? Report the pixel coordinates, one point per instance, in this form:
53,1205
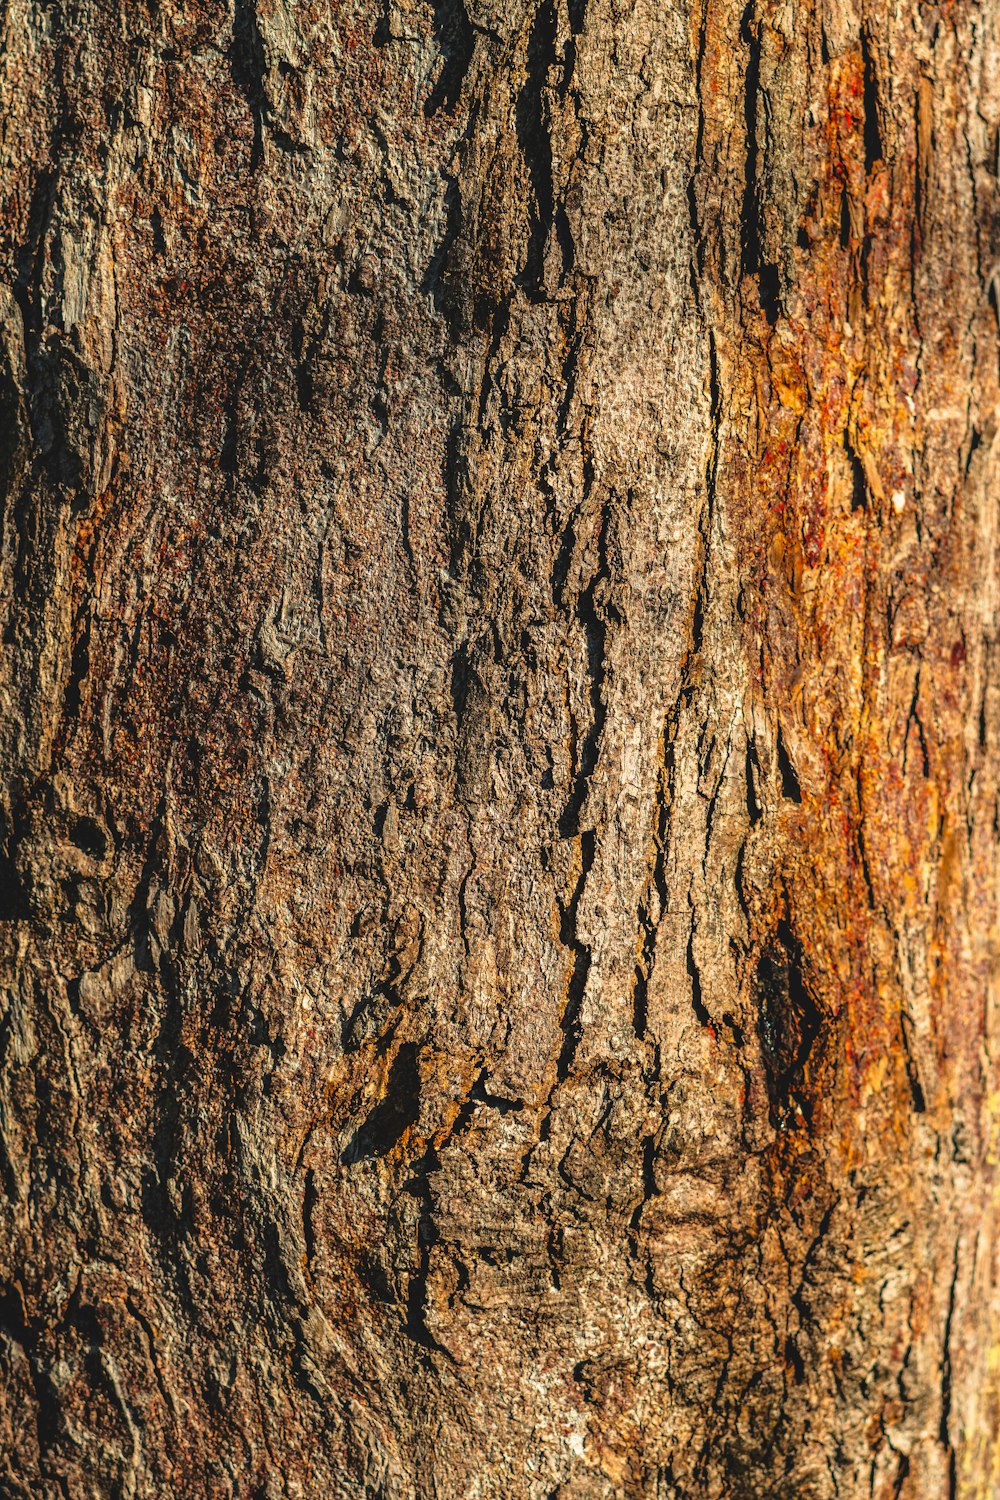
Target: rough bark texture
500,736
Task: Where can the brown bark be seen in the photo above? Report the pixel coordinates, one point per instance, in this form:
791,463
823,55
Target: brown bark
499,732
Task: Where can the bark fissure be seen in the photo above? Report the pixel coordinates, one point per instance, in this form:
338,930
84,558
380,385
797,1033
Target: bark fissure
499,828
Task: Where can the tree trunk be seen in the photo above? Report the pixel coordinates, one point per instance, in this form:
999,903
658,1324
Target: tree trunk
500,733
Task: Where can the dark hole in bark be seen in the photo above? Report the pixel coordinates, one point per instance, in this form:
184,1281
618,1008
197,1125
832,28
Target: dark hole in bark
975,443
788,1023
735,1028
303,382
789,780
577,15
535,140
873,138
754,262
11,433
14,895
794,1358
481,1094
692,968
394,1114
249,68
859,486
917,1093
456,39
754,810
769,288
308,1210
89,837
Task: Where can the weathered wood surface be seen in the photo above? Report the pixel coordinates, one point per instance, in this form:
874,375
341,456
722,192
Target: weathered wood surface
499,738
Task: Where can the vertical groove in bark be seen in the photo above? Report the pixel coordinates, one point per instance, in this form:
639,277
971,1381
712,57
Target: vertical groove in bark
498,832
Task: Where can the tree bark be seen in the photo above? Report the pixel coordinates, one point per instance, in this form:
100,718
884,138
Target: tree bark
500,735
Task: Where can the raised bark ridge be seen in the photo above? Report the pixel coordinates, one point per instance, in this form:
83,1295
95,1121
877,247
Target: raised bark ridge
499,734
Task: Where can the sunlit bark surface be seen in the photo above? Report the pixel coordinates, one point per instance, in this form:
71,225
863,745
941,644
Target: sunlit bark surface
499,750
